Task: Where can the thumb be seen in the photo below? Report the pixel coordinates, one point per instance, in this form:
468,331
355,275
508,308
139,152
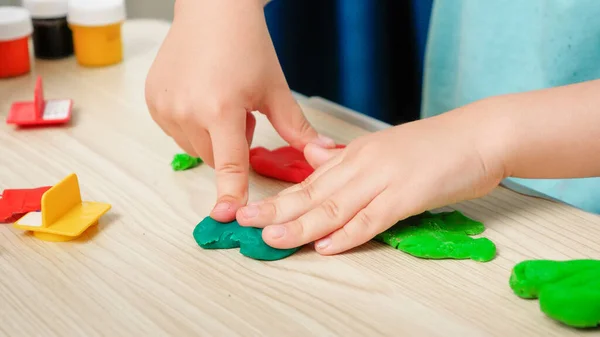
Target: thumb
289,121
317,156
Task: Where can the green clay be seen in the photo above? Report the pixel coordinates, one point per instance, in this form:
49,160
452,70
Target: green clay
440,236
183,161
568,291
211,234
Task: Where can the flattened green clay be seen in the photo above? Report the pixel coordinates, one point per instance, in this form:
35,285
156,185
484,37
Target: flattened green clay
211,234
440,236
568,291
183,161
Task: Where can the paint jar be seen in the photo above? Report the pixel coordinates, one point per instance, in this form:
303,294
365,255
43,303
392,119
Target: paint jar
52,38
15,29
96,27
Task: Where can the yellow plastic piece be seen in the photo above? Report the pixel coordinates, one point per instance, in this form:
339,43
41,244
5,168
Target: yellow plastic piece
97,46
63,215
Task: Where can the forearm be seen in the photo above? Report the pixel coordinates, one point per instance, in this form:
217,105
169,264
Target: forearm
194,9
202,23
187,5
551,133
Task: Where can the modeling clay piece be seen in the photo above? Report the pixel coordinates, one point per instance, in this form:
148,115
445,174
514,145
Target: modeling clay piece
440,236
211,234
40,111
63,215
183,161
284,163
568,291
15,203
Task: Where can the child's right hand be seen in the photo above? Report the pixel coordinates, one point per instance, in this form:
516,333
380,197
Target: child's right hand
216,65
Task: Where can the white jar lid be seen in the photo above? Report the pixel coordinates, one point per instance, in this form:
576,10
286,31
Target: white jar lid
15,23
46,9
96,12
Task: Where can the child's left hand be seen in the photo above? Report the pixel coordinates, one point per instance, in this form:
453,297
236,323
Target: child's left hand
379,179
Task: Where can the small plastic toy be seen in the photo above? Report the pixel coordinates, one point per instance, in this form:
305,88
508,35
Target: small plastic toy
63,215
16,203
285,163
40,112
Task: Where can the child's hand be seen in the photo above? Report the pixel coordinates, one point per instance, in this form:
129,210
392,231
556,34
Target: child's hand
216,65
362,190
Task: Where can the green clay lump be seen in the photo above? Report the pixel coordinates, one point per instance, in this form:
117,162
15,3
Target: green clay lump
445,235
568,291
183,161
211,234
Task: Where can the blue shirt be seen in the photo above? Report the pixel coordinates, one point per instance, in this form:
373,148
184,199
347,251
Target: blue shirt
482,48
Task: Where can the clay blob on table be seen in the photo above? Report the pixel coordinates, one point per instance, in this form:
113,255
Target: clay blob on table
568,291
445,235
284,163
211,234
183,161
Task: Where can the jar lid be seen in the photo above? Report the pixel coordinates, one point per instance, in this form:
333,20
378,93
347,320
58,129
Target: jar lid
95,12
46,9
15,23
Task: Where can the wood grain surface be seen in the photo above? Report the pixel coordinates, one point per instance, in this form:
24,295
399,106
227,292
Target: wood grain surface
140,272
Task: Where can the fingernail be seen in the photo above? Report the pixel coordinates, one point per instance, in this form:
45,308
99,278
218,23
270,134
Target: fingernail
275,232
325,141
222,207
250,211
322,244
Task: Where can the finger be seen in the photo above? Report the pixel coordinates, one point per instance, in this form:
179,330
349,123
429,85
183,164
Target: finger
330,215
172,130
179,137
317,156
163,123
185,146
290,206
177,134
230,148
199,140
289,121
378,216
250,126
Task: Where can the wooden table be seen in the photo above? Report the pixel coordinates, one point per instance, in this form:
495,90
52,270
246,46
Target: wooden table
140,272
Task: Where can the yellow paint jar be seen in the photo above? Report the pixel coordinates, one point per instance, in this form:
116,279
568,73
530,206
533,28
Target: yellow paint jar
96,27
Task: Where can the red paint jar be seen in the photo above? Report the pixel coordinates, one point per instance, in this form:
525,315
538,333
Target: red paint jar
15,29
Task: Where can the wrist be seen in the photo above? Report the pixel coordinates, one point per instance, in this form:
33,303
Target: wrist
483,133
493,136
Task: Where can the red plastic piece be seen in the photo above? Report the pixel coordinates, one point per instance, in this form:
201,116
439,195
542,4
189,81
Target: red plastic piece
285,163
40,111
14,57
14,203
